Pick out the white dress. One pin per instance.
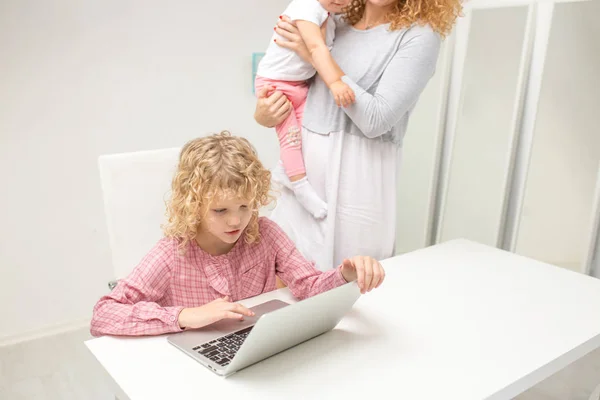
(356, 177)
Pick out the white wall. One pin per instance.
(81, 79)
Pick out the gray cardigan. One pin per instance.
(387, 70)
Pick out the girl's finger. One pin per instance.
(382, 275)
(240, 309)
(232, 315)
(368, 263)
(357, 263)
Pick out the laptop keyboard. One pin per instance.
(223, 349)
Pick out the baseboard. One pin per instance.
(44, 332)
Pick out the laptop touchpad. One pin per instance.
(232, 325)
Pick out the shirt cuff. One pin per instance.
(174, 318)
(353, 85)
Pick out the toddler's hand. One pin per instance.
(342, 93)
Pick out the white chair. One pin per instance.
(135, 187)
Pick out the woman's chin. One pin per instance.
(382, 3)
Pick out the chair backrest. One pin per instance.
(135, 187)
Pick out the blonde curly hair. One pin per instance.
(439, 14)
(211, 166)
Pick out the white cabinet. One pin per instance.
(479, 161)
(558, 196)
(504, 145)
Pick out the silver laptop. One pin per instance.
(228, 346)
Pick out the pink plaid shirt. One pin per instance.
(149, 300)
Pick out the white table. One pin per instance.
(454, 321)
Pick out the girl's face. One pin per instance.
(334, 6)
(227, 217)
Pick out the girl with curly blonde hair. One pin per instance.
(216, 250)
(387, 52)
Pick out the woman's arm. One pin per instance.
(400, 86)
(131, 308)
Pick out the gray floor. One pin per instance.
(61, 367)
(57, 367)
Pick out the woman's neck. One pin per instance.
(213, 245)
(374, 15)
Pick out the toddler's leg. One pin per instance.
(290, 145)
(291, 171)
(290, 141)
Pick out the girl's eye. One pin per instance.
(244, 207)
(220, 210)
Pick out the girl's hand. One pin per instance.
(214, 311)
(271, 108)
(293, 40)
(366, 270)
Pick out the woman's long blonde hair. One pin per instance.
(220, 164)
(439, 14)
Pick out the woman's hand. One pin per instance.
(214, 311)
(366, 270)
(271, 108)
(293, 40)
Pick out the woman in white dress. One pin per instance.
(387, 50)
